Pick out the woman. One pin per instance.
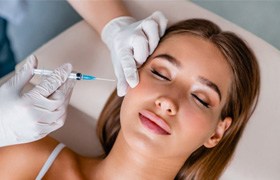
(183, 121)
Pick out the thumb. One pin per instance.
(24, 75)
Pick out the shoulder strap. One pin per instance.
(50, 161)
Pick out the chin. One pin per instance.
(143, 141)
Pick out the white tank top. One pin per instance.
(50, 161)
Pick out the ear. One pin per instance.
(221, 128)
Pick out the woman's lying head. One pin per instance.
(196, 93)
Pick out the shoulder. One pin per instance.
(70, 165)
(66, 166)
(25, 160)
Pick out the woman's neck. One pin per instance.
(125, 163)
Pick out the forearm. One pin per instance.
(99, 12)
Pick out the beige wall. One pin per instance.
(258, 17)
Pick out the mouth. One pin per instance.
(154, 123)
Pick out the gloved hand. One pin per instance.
(31, 116)
(130, 43)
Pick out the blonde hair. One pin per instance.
(205, 163)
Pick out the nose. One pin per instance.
(166, 105)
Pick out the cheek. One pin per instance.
(194, 128)
(135, 98)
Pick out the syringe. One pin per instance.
(73, 75)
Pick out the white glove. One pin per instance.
(31, 116)
(130, 43)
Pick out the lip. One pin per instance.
(154, 123)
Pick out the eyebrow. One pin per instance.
(211, 85)
(170, 59)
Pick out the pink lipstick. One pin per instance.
(154, 123)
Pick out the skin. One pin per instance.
(94, 14)
(138, 152)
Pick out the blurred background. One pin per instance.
(44, 19)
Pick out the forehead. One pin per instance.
(197, 57)
(192, 46)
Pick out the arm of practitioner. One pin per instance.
(26, 117)
(129, 41)
(99, 13)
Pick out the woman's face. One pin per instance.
(176, 107)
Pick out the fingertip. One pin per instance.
(133, 80)
(158, 13)
(160, 18)
(121, 90)
(33, 60)
(29, 63)
(67, 67)
(136, 82)
(120, 93)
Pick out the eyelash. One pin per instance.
(201, 101)
(159, 75)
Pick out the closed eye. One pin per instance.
(201, 101)
(159, 75)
